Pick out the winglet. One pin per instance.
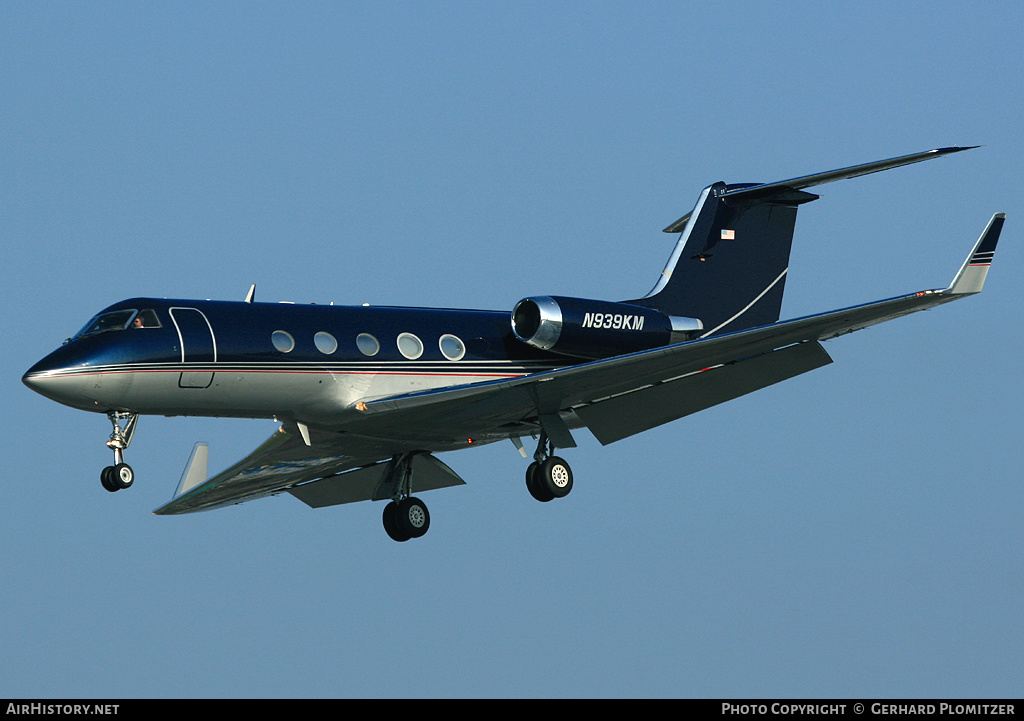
(971, 277)
(195, 470)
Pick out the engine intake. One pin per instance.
(596, 328)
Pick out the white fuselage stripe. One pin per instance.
(748, 305)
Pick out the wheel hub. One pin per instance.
(416, 517)
(559, 476)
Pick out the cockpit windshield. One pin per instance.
(119, 320)
(116, 320)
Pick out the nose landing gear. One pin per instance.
(120, 475)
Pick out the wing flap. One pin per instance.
(631, 413)
(348, 487)
(376, 483)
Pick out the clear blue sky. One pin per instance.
(855, 532)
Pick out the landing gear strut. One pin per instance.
(405, 517)
(120, 475)
(549, 476)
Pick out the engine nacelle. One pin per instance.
(596, 328)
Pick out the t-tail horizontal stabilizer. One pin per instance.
(759, 192)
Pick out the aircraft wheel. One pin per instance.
(122, 475)
(107, 479)
(391, 523)
(540, 494)
(413, 518)
(555, 477)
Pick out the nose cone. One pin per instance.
(60, 378)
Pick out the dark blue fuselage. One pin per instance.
(187, 357)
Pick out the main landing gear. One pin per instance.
(405, 517)
(549, 476)
(120, 475)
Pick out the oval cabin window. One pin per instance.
(325, 343)
(451, 347)
(283, 341)
(410, 346)
(367, 344)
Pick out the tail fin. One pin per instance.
(729, 266)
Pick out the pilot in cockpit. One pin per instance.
(145, 319)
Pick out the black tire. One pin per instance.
(107, 479)
(413, 517)
(555, 477)
(535, 489)
(391, 523)
(122, 475)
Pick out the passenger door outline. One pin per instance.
(196, 347)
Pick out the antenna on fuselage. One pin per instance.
(251, 294)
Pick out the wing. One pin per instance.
(613, 398)
(723, 366)
(285, 462)
(619, 396)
